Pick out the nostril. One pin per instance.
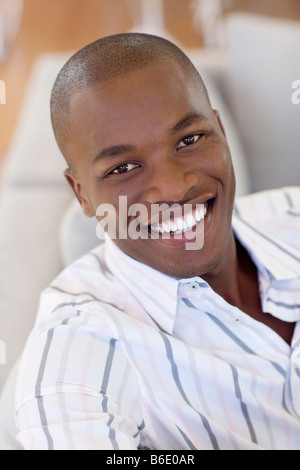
(191, 179)
(170, 186)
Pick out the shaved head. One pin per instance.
(105, 59)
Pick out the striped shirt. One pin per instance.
(125, 357)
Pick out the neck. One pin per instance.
(236, 281)
(234, 276)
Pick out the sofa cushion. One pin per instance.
(264, 63)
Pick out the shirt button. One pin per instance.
(194, 286)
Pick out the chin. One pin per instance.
(187, 272)
(189, 266)
(178, 262)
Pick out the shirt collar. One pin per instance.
(157, 292)
(270, 252)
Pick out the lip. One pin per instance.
(170, 216)
(173, 239)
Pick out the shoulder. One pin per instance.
(268, 204)
(76, 330)
(268, 223)
(86, 285)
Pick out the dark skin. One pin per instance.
(152, 136)
(247, 296)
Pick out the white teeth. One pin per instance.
(173, 227)
(166, 227)
(198, 215)
(190, 221)
(182, 224)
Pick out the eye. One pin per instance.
(189, 140)
(124, 168)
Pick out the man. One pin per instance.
(143, 343)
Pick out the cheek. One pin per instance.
(112, 193)
(227, 182)
(217, 164)
(225, 168)
(111, 210)
(230, 173)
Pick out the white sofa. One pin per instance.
(41, 225)
(264, 59)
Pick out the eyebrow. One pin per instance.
(118, 150)
(186, 121)
(115, 151)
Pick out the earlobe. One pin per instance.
(79, 192)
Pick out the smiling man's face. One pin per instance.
(152, 136)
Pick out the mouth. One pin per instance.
(177, 225)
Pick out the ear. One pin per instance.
(217, 114)
(79, 192)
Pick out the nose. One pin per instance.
(169, 180)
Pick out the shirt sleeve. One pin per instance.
(77, 388)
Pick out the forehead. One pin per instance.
(149, 98)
